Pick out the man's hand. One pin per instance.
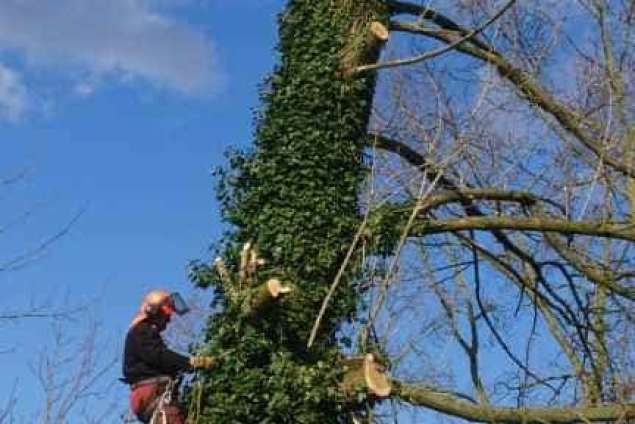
(202, 362)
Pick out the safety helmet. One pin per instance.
(157, 301)
(160, 302)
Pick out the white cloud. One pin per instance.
(121, 37)
(13, 95)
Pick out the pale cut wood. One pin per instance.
(365, 373)
(276, 288)
(264, 296)
(379, 31)
(365, 47)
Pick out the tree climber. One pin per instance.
(149, 367)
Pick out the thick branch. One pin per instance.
(450, 404)
(593, 272)
(624, 231)
(401, 7)
(411, 156)
(466, 196)
(365, 373)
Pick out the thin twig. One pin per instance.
(25, 258)
(336, 281)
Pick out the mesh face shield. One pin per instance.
(178, 303)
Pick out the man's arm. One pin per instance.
(153, 350)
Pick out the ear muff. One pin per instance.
(167, 309)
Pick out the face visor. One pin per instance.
(178, 304)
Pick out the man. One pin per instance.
(149, 366)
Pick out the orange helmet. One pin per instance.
(160, 301)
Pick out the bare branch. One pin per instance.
(22, 260)
(336, 280)
(572, 122)
(601, 276)
(445, 402)
(623, 231)
(424, 12)
(439, 51)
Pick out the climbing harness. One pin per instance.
(159, 416)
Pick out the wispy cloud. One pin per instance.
(109, 37)
(13, 95)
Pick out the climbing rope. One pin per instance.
(159, 415)
(194, 410)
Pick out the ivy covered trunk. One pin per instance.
(295, 197)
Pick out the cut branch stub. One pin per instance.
(364, 47)
(275, 288)
(264, 296)
(365, 373)
(379, 32)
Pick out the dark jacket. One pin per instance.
(146, 356)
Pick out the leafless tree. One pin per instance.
(17, 257)
(71, 372)
(13, 260)
(504, 164)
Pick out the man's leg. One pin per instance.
(143, 400)
(173, 414)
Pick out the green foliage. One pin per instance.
(296, 196)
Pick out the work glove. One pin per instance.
(202, 362)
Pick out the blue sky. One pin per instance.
(118, 110)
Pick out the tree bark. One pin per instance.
(623, 231)
(450, 404)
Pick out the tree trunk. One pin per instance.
(296, 198)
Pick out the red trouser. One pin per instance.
(144, 399)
